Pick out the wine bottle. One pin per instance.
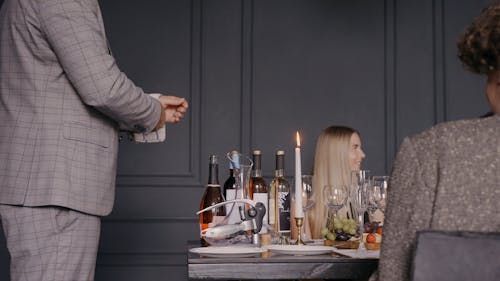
(211, 197)
(279, 199)
(230, 188)
(258, 187)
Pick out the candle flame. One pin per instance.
(298, 139)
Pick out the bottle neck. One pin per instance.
(279, 173)
(213, 172)
(257, 170)
(257, 173)
(280, 166)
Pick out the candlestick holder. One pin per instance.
(299, 222)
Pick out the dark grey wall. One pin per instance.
(255, 72)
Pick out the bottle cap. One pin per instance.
(235, 159)
(231, 166)
(213, 159)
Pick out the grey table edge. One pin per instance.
(278, 267)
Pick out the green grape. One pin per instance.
(351, 231)
(346, 228)
(330, 236)
(324, 231)
(337, 224)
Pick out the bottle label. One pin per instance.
(230, 194)
(272, 212)
(232, 210)
(284, 211)
(263, 198)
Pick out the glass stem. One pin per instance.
(304, 234)
(332, 215)
(361, 229)
(361, 223)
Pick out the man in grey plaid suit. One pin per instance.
(62, 101)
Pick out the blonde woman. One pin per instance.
(338, 153)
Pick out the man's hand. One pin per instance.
(175, 108)
(172, 110)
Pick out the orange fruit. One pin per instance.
(371, 238)
(379, 230)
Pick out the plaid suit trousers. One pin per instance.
(50, 243)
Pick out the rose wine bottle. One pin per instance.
(211, 197)
(279, 199)
(258, 187)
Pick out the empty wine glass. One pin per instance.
(335, 197)
(360, 183)
(373, 197)
(380, 184)
(308, 200)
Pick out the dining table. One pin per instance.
(276, 265)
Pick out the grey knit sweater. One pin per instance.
(445, 178)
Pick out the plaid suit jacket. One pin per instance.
(61, 100)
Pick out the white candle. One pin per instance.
(299, 213)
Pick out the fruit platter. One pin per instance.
(372, 236)
(341, 233)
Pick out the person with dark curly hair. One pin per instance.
(447, 177)
(479, 50)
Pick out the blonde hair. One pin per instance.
(331, 167)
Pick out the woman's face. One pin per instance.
(356, 154)
(493, 91)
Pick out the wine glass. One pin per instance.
(380, 184)
(308, 200)
(373, 198)
(335, 197)
(360, 183)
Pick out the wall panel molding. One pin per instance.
(138, 259)
(438, 55)
(247, 76)
(159, 181)
(191, 176)
(391, 112)
(158, 219)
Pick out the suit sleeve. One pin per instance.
(76, 34)
(409, 210)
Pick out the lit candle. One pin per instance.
(299, 213)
